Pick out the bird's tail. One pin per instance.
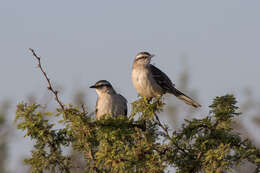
(184, 98)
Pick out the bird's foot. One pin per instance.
(147, 100)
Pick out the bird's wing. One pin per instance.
(161, 79)
(164, 82)
(124, 102)
(96, 111)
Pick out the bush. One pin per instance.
(140, 143)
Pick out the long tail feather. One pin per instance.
(184, 98)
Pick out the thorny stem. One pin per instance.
(55, 92)
(162, 126)
(84, 109)
(92, 158)
(167, 134)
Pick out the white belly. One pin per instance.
(104, 106)
(110, 105)
(145, 84)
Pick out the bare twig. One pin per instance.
(162, 126)
(83, 106)
(55, 92)
(167, 134)
(92, 158)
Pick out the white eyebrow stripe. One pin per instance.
(141, 55)
(103, 83)
(99, 84)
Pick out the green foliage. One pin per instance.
(4, 134)
(140, 143)
(47, 153)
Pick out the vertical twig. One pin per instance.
(83, 106)
(167, 134)
(55, 92)
(162, 126)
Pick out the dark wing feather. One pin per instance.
(96, 110)
(161, 79)
(125, 111)
(164, 82)
(125, 104)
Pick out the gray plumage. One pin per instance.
(149, 81)
(108, 101)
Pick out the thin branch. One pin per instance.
(83, 106)
(92, 158)
(55, 92)
(162, 126)
(167, 134)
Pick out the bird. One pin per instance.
(109, 102)
(150, 82)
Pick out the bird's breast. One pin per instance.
(111, 105)
(144, 83)
(104, 105)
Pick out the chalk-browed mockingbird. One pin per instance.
(149, 81)
(109, 102)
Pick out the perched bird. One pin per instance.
(149, 81)
(109, 102)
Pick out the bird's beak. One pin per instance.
(93, 86)
(152, 56)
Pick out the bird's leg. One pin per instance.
(157, 99)
(147, 100)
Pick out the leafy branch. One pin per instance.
(139, 143)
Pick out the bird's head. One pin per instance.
(143, 58)
(103, 86)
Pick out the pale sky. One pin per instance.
(81, 42)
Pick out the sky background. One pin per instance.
(81, 42)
